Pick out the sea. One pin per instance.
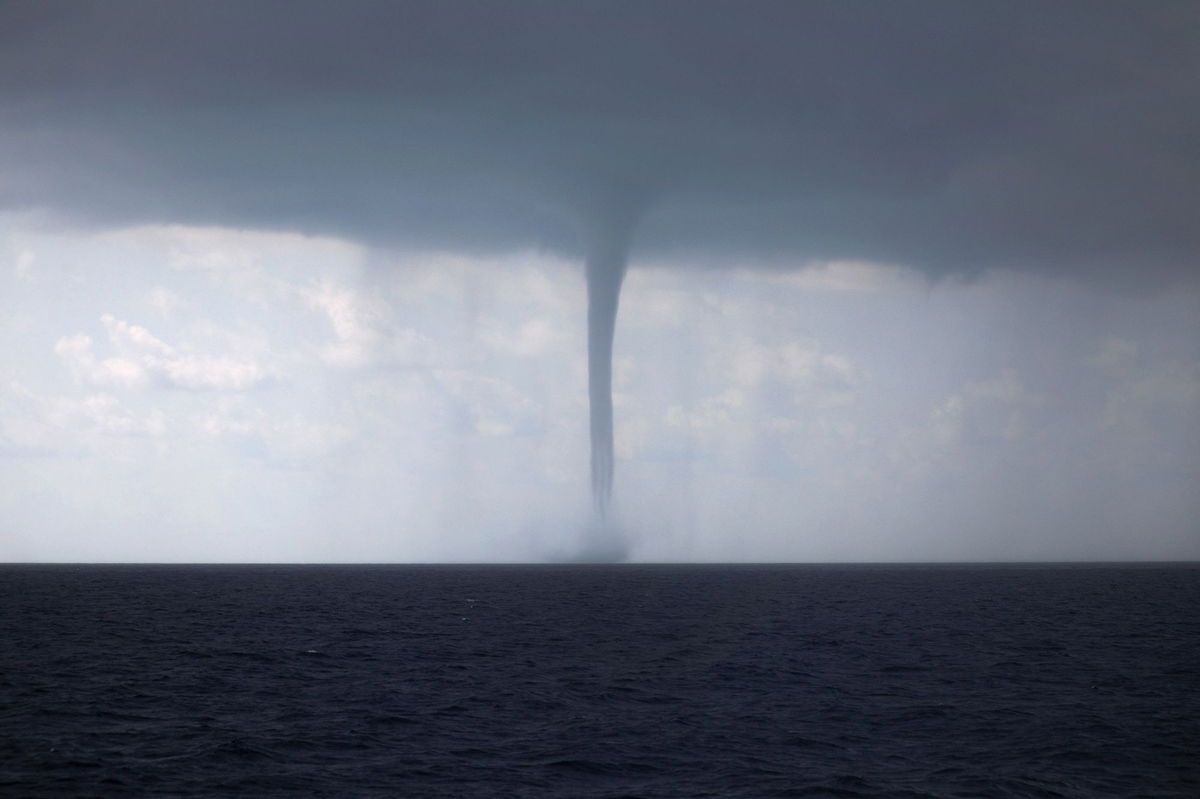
(590, 681)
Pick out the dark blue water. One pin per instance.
(600, 681)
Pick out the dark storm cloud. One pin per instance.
(949, 136)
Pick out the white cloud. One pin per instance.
(711, 412)
(1005, 387)
(24, 428)
(105, 414)
(135, 340)
(946, 421)
(162, 300)
(143, 356)
(289, 439)
(1114, 354)
(123, 373)
(796, 363)
(364, 330)
(495, 407)
(998, 407)
(23, 264)
(207, 260)
(212, 374)
(357, 322)
(33, 424)
(231, 249)
(298, 439)
(841, 276)
(1156, 391)
(531, 338)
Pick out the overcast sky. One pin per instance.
(909, 281)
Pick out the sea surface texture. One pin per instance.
(600, 681)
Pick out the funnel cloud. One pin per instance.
(609, 234)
